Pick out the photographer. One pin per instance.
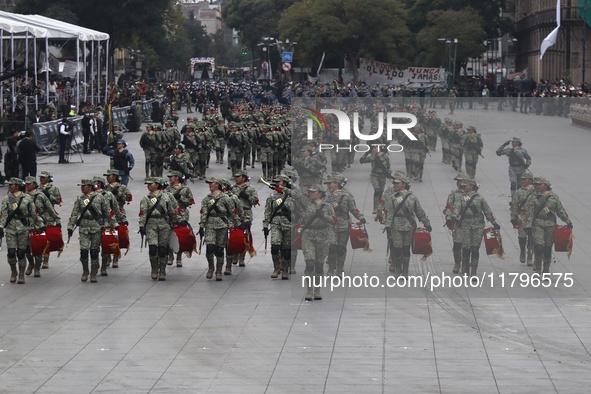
(65, 134)
(27, 155)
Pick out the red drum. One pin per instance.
(358, 236)
(493, 242)
(297, 238)
(182, 239)
(563, 239)
(123, 235)
(39, 243)
(55, 239)
(422, 242)
(111, 243)
(237, 241)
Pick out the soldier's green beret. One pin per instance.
(240, 173)
(175, 173)
(542, 180)
(85, 182)
(45, 174)
(30, 179)
(111, 172)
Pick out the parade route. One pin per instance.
(253, 334)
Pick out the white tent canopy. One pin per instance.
(56, 29)
(13, 27)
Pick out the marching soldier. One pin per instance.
(203, 150)
(120, 191)
(468, 216)
(217, 215)
(455, 145)
(45, 210)
(248, 198)
(236, 143)
(220, 133)
(157, 215)
(418, 154)
(380, 170)
(179, 161)
(192, 150)
(448, 211)
(444, 134)
(184, 198)
(400, 212)
(278, 210)
(150, 143)
(309, 167)
(472, 148)
(52, 192)
(542, 222)
(114, 212)
(267, 143)
(343, 204)
(519, 161)
(17, 217)
(520, 214)
(237, 206)
(90, 215)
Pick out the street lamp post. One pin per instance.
(585, 7)
(448, 42)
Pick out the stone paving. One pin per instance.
(253, 334)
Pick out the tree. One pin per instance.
(444, 24)
(351, 28)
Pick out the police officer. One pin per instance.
(344, 205)
(217, 215)
(157, 215)
(400, 224)
(90, 214)
(17, 217)
(542, 222)
(45, 210)
(468, 216)
(519, 216)
(278, 211)
(519, 161)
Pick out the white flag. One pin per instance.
(551, 38)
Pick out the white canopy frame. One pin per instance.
(42, 27)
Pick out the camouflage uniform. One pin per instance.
(432, 130)
(203, 151)
(217, 215)
(116, 213)
(49, 217)
(418, 154)
(309, 168)
(20, 207)
(444, 134)
(380, 169)
(455, 146)
(472, 148)
(95, 218)
(470, 226)
(161, 208)
(150, 143)
(267, 143)
(343, 204)
(192, 149)
(184, 199)
(232, 259)
(519, 161)
(236, 142)
(179, 162)
(53, 194)
(544, 209)
(278, 211)
(248, 197)
(400, 224)
(448, 211)
(220, 132)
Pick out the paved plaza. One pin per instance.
(253, 334)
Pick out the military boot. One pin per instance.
(309, 294)
(285, 270)
(210, 264)
(170, 257)
(473, 270)
(241, 258)
(94, 267)
(539, 252)
(13, 273)
(154, 265)
(218, 267)
(522, 243)
(228, 270)
(104, 265)
(45, 262)
(332, 265)
(276, 267)
(317, 295)
(84, 276)
(530, 255)
(21, 277)
(37, 268)
(162, 271)
(179, 260)
(29, 270)
(115, 262)
(457, 259)
(405, 264)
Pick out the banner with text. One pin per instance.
(372, 72)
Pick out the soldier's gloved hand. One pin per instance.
(515, 223)
(362, 221)
(184, 223)
(266, 231)
(70, 233)
(496, 226)
(450, 224)
(278, 190)
(142, 231)
(201, 232)
(569, 225)
(429, 228)
(125, 223)
(528, 232)
(507, 143)
(58, 225)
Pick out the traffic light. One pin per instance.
(244, 51)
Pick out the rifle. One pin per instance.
(141, 242)
(301, 169)
(423, 147)
(2, 239)
(383, 168)
(175, 166)
(201, 244)
(266, 235)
